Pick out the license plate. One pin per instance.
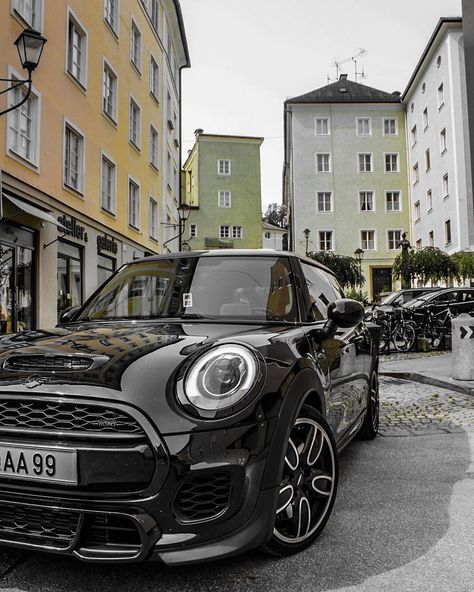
(39, 464)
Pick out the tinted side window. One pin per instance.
(445, 298)
(323, 289)
(467, 296)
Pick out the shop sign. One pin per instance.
(73, 228)
(106, 245)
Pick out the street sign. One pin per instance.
(465, 332)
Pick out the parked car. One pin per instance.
(405, 295)
(193, 408)
(460, 300)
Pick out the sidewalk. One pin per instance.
(426, 368)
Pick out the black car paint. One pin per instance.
(140, 363)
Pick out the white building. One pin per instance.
(272, 236)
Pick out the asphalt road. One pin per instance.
(403, 520)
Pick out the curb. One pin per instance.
(446, 383)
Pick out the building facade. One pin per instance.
(90, 162)
(221, 183)
(442, 205)
(345, 176)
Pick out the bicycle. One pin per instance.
(395, 328)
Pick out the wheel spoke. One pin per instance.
(313, 446)
(322, 484)
(285, 498)
(292, 457)
(304, 517)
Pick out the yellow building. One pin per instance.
(90, 162)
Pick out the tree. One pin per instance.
(428, 264)
(464, 262)
(346, 269)
(276, 214)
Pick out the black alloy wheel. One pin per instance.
(308, 485)
(370, 427)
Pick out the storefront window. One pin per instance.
(69, 276)
(105, 268)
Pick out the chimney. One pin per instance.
(342, 83)
(342, 77)
(198, 131)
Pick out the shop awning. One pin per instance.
(33, 210)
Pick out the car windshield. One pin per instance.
(420, 300)
(217, 287)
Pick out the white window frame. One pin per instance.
(431, 238)
(440, 95)
(446, 241)
(154, 78)
(237, 232)
(33, 102)
(359, 169)
(418, 244)
(108, 67)
(364, 248)
(387, 120)
(83, 65)
(112, 210)
(416, 173)
(19, 12)
(414, 135)
(226, 169)
(445, 185)
(323, 163)
(193, 230)
(417, 211)
(69, 125)
(359, 120)
(225, 231)
(323, 240)
(425, 118)
(393, 191)
(443, 142)
(224, 198)
(136, 59)
(325, 194)
(427, 160)
(114, 26)
(153, 218)
(395, 242)
(131, 181)
(154, 155)
(366, 192)
(429, 200)
(397, 162)
(317, 121)
(134, 143)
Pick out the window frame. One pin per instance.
(111, 26)
(131, 181)
(137, 65)
(395, 242)
(367, 240)
(397, 161)
(68, 125)
(416, 173)
(73, 20)
(425, 118)
(222, 194)
(427, 158)
(106, 65)
(366, 192)
(329, 163)
(393, 191)
(445, 185)
(417, 211)
(113, 210)
(388, 119)
(440, 96)
(320, 119)
(153, 222)
(361, 154)
(155, 92)
(38, 14)
(193, 232)
(448, 232)
(153, 131)
(443, 141)
(429, 200)
(136, 144)
(324, 211)
(361, 133)
(323, 239)
(228, 166)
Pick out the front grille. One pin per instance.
(50, 417)
(105, 530)
(32, 363)
(38, 526)
(202, 497)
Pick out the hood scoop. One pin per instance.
(52, 363)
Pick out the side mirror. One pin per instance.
(341, 313)
(69, 314)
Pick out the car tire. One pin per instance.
(308, 484)
(370, 426)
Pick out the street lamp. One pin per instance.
(404, 244)
(359, 255)
(30, 45)
(306, 233)
(183, 213)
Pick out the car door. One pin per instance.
(466, 301)
(345, 355)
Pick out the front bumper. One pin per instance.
(179, 499)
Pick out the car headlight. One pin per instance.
(220, 378)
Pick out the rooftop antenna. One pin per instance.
(357, 74)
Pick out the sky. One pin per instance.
(249, 56)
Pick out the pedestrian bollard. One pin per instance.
(463, 347)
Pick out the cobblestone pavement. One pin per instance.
(413, 409)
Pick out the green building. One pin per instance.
(221, 184)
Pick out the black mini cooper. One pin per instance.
(193, 408)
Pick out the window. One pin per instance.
(224, 199)
(154, 77)
(23, 125)
(223, 167)
(237, 232)
(416, 173)
(77, 51)
(105, 268)
(366, 201)
(224, 231)
(155, 14)
(418, 244)
(393, 201)
(111, 14)
(429, 200)
(440, 96)
(391, 163)
(363, 126)
(325, 240)
(133, 204)
(425, 118)
(417, 211)
(447, 232)
(427, 160)
(442, 141)
(431, 238)
(109, 92)
(321, 126)
(324, 201)
(367, 239)
(413, 135)
(108, 191)
(323, 163)
(134, 125)
(73, 158)
(30, 12)
(193, 231)
(446, 185)
(322, 291)
(153, 147)
(390, 127)
(438, 61)
(136, 46)
(394, 238)
(423, 88)
(153, 219)
(365, 163)
(69, 273)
